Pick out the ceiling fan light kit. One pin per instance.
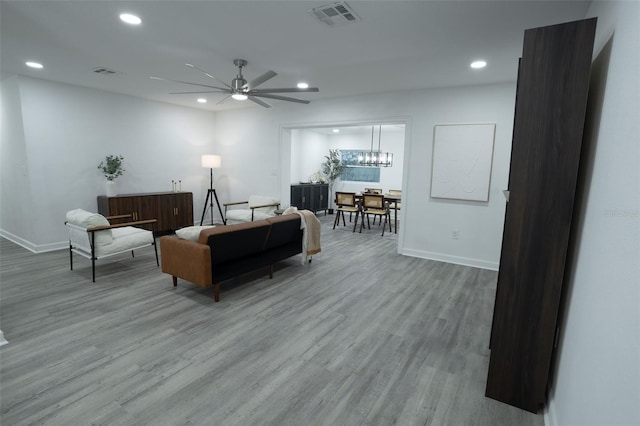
(242, 90)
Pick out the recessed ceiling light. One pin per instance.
(336, 130)
(36, 65)
(202, 100)
(303, 85)
(478, 64)
(130, 19)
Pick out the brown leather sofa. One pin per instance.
(226, 251)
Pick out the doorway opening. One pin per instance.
(304, 148)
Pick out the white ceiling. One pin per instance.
(397, 45)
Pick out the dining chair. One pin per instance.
(373, 190)
(346, 202)
(374, 204)
(398, 193)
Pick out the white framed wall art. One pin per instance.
(462, 160)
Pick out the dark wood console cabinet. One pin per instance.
(551, 99)
(310, 196)
(173, 210)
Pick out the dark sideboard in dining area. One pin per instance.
(310, 196)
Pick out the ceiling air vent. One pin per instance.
(105, 71)
(339, 13)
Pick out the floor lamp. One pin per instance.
(211, 162)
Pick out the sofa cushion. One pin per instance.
(244, 215)
(192, 233)
(125, 239)
(85, 219)
(289, 210)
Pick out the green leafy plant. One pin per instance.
(333, 168)
(111, 167)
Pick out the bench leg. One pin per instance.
(271, 271)
(216, 292)
(175, 281)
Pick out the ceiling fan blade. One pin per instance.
(207, 74)
(186, 82)
(262, 78)
(259, 101)
(281, 98)
(223, 100)
(199, 91)
(285, 90)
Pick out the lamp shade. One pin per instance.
(211, 161)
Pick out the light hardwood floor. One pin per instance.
(362, 336)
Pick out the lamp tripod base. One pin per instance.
(208, 202)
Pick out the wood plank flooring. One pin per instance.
(361, 336)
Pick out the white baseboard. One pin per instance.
(465, 261)
(34, 248)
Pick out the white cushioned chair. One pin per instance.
(258, 207)
(91, 235)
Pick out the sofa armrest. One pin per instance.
(235, 203)
(186, 259)
(253, 208)
(265, 205)
(137, 223)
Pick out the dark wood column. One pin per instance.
(547, 138)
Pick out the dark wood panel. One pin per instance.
(173, 210)
(547, 138)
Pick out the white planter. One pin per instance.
(111, 188)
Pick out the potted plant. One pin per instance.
(332, 169)
(111, 168)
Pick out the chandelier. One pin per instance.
(377, 158)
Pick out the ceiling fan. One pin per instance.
(241, 90)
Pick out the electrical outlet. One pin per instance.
(455, 234)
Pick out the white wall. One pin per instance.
(259, 134)
(308, 149)
(598, 371)
(56, 134)
(15, 214)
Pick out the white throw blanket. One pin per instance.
(310, 226)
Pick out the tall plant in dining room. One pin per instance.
(332, 169)
(111, 168)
